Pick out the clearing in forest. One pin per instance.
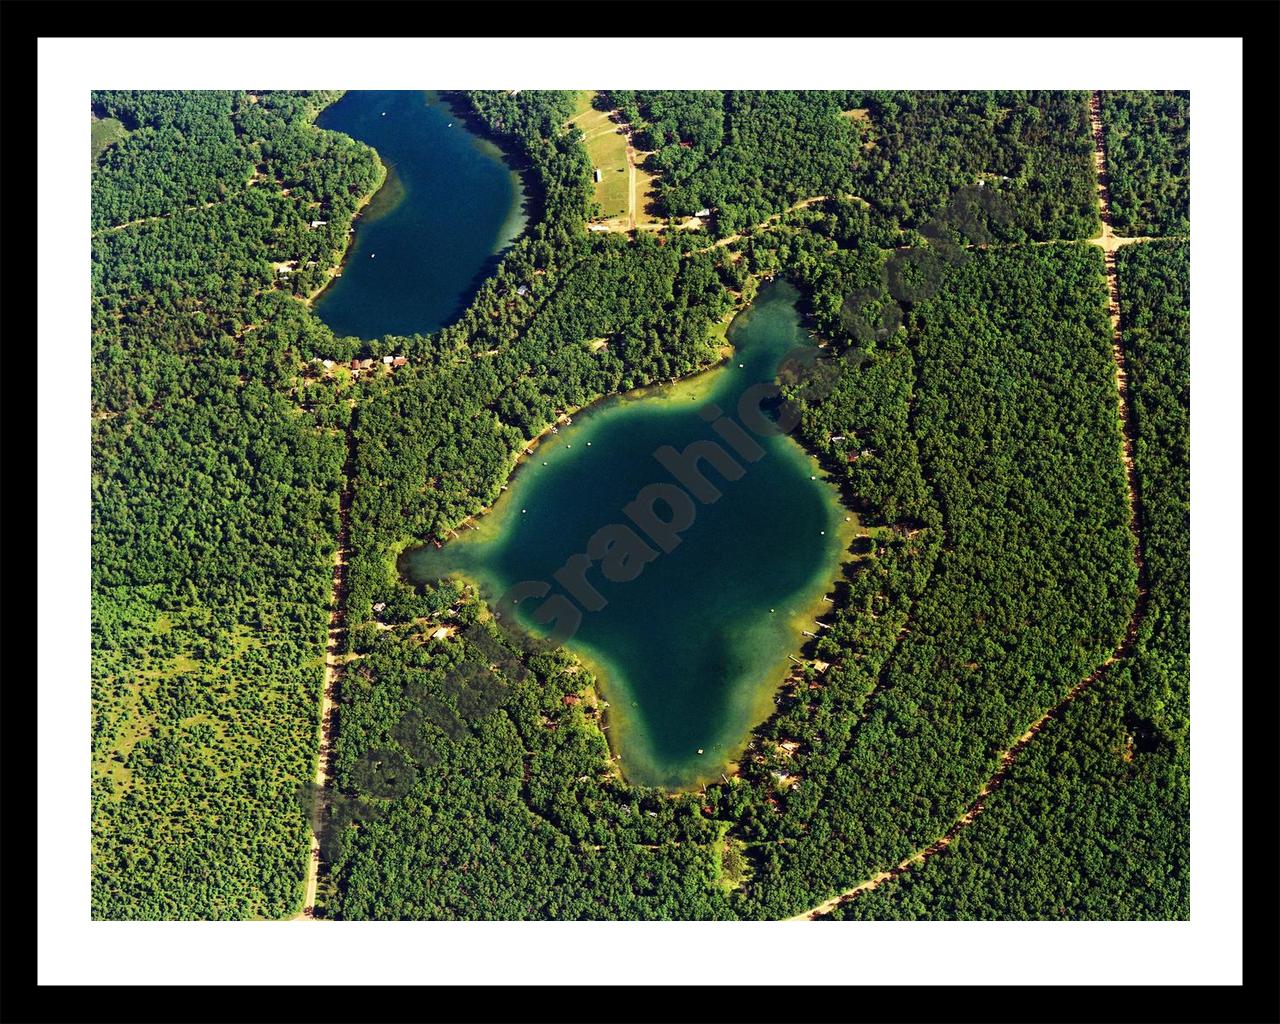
(105, 132)
(624, 190)
(607, 147)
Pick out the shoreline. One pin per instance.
(763, 695)
(513, 155)
(525, 212)
(332, 272)
(335, 271)
(529, 448)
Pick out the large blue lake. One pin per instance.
(691, 652)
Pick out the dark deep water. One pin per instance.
(690, 652)
(427, 239)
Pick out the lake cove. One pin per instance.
(430, 235)
(691, 651)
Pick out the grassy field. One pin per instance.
(607, 147)
(646, 190)
(104, 134)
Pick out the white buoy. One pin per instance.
(523, 511)
(823, 532)
(813, 478)
(699, 750)
(588, 444)
(741, 365)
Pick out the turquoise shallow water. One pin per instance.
(426, 241)
(691, 651)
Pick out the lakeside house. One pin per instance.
(319, 223)
(328, 364)
(703, 213)
(399, 361)
(387, 360)
(523, 290)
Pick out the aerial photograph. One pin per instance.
(622, 505)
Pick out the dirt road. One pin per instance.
(333, 661)
(1128, 435)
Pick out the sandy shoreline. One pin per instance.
(763, 694)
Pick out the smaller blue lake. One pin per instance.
(429, 237)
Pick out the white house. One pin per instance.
(319, 223)
(388, 360)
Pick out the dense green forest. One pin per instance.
(975, 391)
(1003, 402)
(214, 497)
(1033, 148)
(746, 154)
(1149, 161)
(750, 154)
(1093, 822)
